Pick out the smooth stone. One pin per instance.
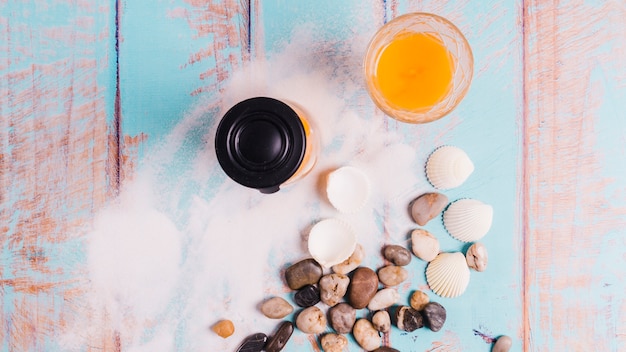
(353, 262)
(434, 316)
(342, 317)
(386, 349)
(366, 335)
(382, 321)
(223, 328)
(307, 296)
(427, 206)
(276, 308)
(424, 245)
(418, 300)
(363, 286)
(392, 275)
(408, 319)
(383, 299)
(253, 343)
(503, 344)
(333, 288)
(278, 341)
(311, 320)
(302, 273)
(398, 255)
(477, 257)
(333, 343)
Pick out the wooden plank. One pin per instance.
(57, 89)
(574, 184)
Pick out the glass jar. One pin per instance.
(264, 143)
(418, 67)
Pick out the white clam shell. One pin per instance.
(331, 241)
(448, 167)
(468, 220)
(448, 275)
(347, 189)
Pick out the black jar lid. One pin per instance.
(260, 143)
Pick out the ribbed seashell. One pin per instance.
(448, 167)
(448, 275)
(468, 220)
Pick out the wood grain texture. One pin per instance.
(575, 210)
(55, 163)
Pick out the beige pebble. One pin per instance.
(276, 308)
(392, 275)
(503, 344)
(334, 343)
(424, 245)
(224, 328)
(418, 300)
(383, 299)
(311, 320)
(333, 288)
(351, 263)
(477, 257)
(366, 335)
(382, 321)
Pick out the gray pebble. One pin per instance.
(342, 317)
(434, 315)
(302, 273)
(428, 206)
(398, 255)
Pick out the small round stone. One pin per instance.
(427, 206)
(362, 288)
(392, 275)
(382, 321)
(477, 257)
(424, 245)
(366, 335)
(307, 296)
(342, 317)
(434, 315)
(398, 255)
(333, 288)
(276, 308)
(351, 263)
(223, 328)
(333, 343)
(383, 299)
(418, 300)
(408, 319)
(302, 273)
(503, 344)
(311, 320)
(385, 349)
(278, 341)
(253, 343)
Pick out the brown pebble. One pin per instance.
(224, 328)
(408, 319)
(302, 273)
(397, 255)
(278, 341)
(276, 308)
(503, 344)
(428, 206)
(418, 300)
(342, 317)
(434, 315)
(363, 286)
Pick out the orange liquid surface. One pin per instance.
(414, 71)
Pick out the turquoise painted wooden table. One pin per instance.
(120, 232)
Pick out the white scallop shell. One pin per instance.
(331, 242)
(448, 274)
(448, 167)
(347, 189)
(468, 220)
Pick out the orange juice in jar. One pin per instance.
(418, 67)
